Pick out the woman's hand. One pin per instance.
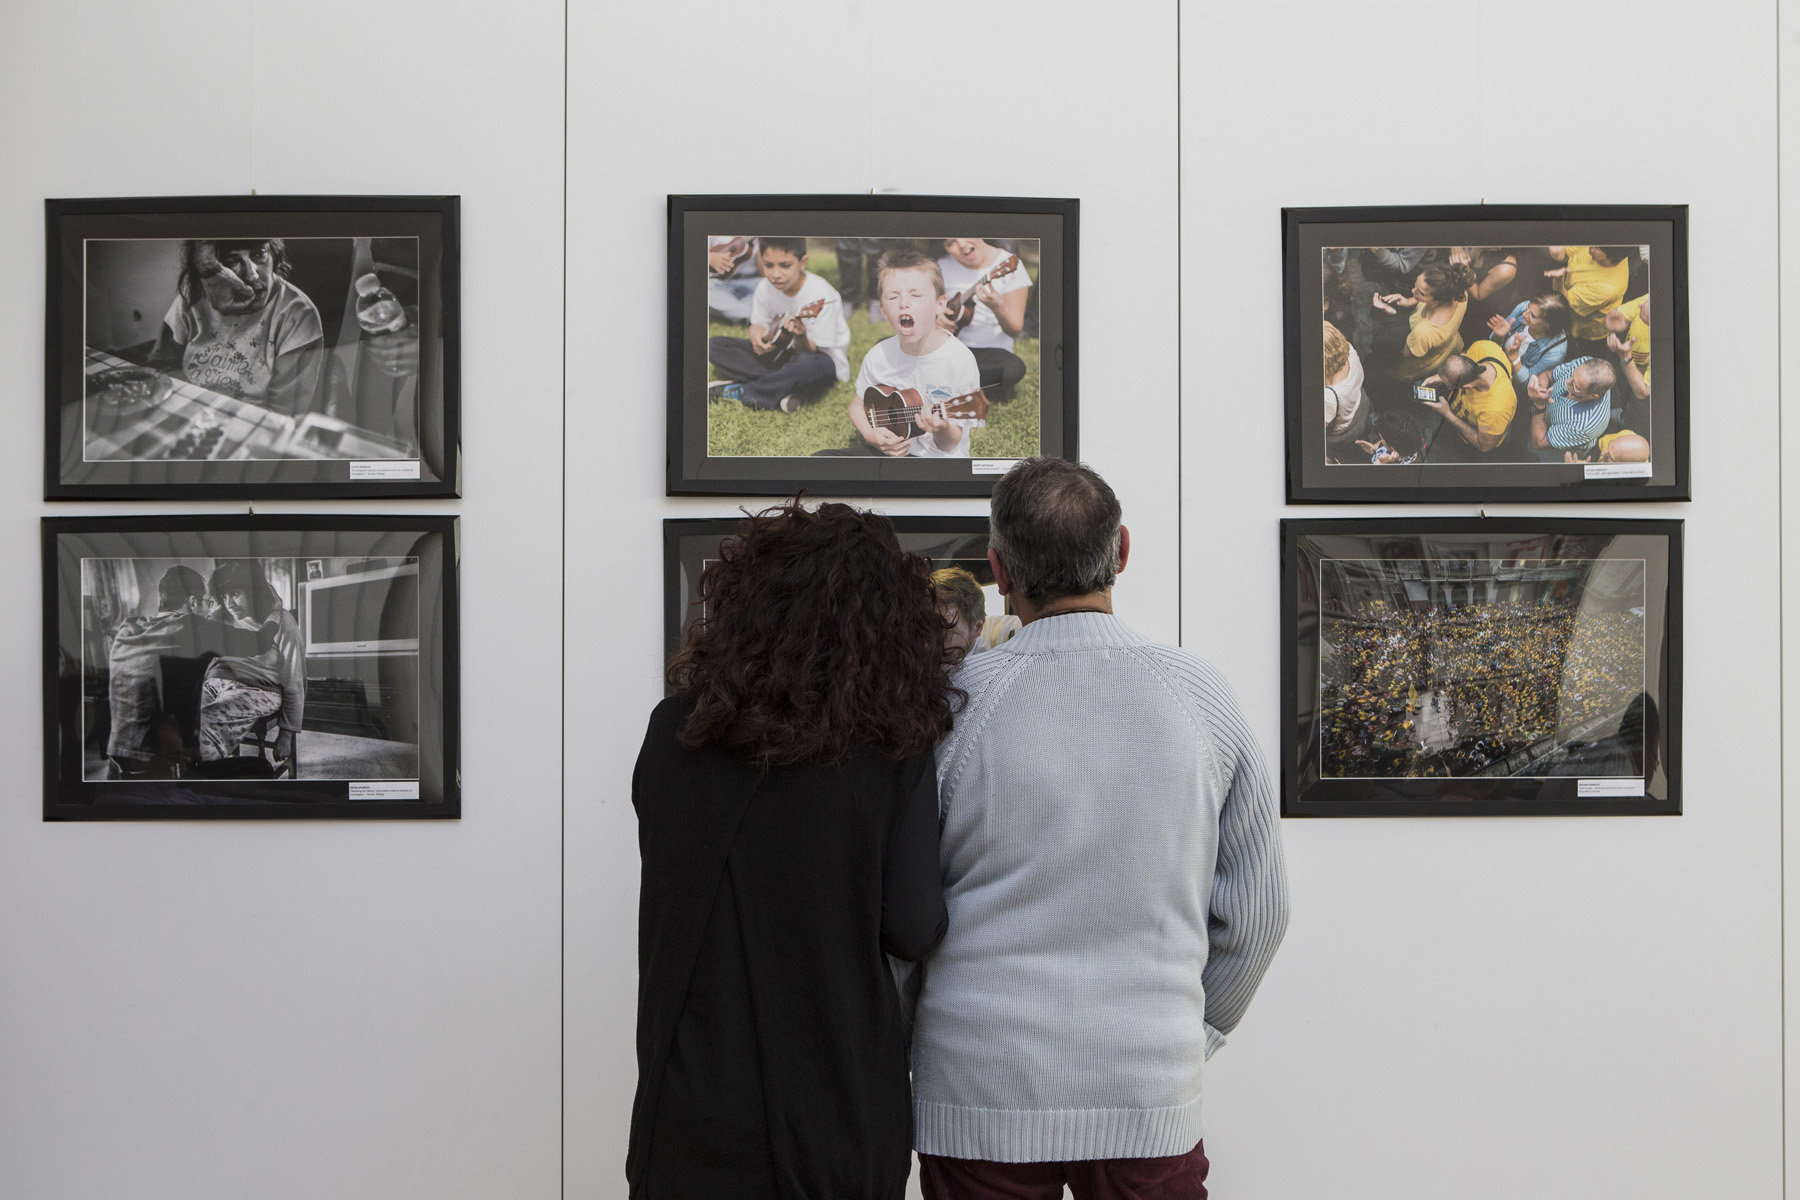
(1499, 325)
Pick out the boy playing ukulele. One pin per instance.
(920, 356)
(793, 298)
(999, 310)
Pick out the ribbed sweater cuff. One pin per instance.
(1057, 1134)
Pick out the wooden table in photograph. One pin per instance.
(177, 424)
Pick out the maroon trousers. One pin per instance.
(1178, 1177)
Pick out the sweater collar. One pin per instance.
(1072, 631)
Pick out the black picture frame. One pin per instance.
(1449, 470)
(1045, 228)
(688, 542)
(135, 410)
(1580, 768)
(369, 604)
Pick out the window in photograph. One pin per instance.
(1434, 667)
(291, 671)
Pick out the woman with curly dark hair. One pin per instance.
(787, 824)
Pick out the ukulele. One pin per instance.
(784, 339)
(962, 305)
(894, 408)
(739, 248)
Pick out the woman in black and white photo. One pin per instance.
(238, 326)
(240, 691)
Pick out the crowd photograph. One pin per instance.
(916, 347)
(250, 668)
(1477, 355)
(1465, 667)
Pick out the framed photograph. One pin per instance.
(953, 544)
(1480, 667)
(868, 345)
(252, 347)
(1530, 367)
(220, 666)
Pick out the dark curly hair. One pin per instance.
(818, 636)
(1449, 281)
(244, 575)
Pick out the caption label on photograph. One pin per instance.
(1616, 471)
(992, 466)
(384, 789)
(1606, 787)
(385, 469)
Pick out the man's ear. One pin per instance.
(1124, 546)
(1002, 578)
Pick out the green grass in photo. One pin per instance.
(733, 431)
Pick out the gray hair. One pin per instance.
(1600, 373)
(1055, 526)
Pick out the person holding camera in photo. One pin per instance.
(1474, 395)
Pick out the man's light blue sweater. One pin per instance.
(1113, 870)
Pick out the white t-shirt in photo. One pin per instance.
(1344, 399)
(828, 331)
(983, 330)
(945, 374)
(235, 353)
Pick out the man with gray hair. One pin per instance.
(1571, 406)
(1113, 871)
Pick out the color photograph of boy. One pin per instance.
(810, 402)
(1432, 351)
(788, 300)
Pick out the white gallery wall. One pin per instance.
(1475, 1009)
(298, 1009)
(1494, 1008)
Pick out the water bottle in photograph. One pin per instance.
(376, 309)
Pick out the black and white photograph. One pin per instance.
(1444, 667)
(876, 344)
(288, 667)
(254, 346)
(978, 616)
(1548, 366)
